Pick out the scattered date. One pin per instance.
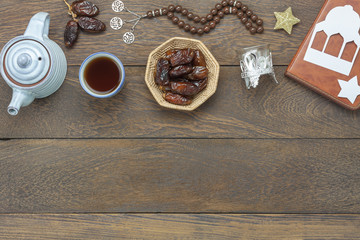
(93, 25)
(181, 75)
(84, 8)
(86, 11)
(71, 33)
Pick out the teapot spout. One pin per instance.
(19, 99)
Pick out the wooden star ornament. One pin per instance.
(285, 20)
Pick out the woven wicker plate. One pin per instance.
(180, 43)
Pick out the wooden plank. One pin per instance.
(287, 110)
(243, 176)
(178, 226)
(223, 42)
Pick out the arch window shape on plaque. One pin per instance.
(349, 51)
(319, 41)
(333, 25)
(335, 46)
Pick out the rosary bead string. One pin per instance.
(251, 21)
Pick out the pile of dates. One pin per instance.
(85, 11)
(181, 75)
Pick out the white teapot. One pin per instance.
(32, 65)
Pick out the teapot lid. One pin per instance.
(26, 61)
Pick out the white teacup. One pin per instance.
(90, 67)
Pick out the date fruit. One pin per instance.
(181, 74)
(82, 13)
(71, 33)
(180, 71)
(198, 73)
(166, 88)
(169, 53)
(162, 72)
(199, 59)
(184, 88)
(91, 24)
(176, 99)
(181, 57)
(201, 84)
(84, 8)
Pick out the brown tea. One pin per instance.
(102, 75)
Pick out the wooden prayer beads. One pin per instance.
(226, 7)
(251, 21)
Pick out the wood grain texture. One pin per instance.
(228, 37)
(238, 176)
(287, 110)
(266, 164)
(178, 226)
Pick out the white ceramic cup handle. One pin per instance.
(38, 26)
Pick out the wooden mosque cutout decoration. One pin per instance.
(341, 20)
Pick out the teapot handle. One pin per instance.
(38, 26)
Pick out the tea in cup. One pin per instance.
(102, 75)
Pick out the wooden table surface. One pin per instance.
(276, 162)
